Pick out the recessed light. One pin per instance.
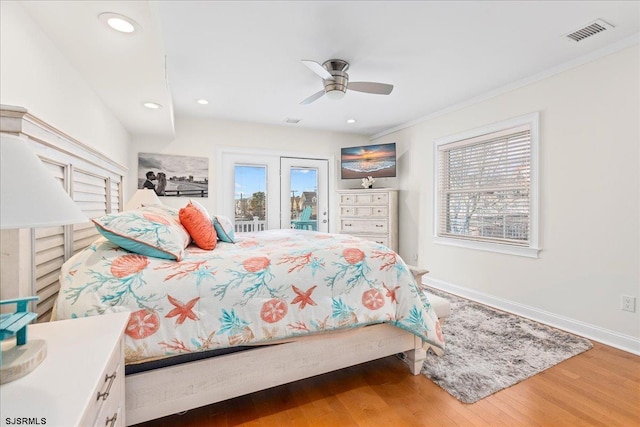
(202, 101)
(351, 121)
(152, 105)
(119, 22)
(291, 121)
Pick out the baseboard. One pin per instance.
(596, 333)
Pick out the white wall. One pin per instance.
(590, 200)
(201, 137)
(36, 76)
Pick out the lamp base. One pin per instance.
(18, 361)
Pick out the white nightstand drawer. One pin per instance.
(363, 226)
(110, 415)
(108, 388)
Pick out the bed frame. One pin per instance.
(161, 392)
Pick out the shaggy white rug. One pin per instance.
(488, 350)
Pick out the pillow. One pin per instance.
(161, 210)
(201, 208)
(198, 223)
(145, 232)
(224, 228)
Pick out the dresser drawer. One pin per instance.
(364, 199)
(380, 211)
(363, 226)
(107, 395)
(364, 211)
(371, 214)
(383, 240)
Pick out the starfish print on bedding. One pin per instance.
(303, 298)
(391, 293)
(182, 310)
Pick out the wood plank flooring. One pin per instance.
(600, 387)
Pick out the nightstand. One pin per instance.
(79, 383)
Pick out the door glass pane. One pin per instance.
(304, 198)
(250, 198)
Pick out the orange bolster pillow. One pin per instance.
(199, 226)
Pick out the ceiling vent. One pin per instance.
(589, 30)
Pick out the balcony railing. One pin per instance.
(247, 226)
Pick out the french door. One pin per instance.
(266, 191)
(304, 201)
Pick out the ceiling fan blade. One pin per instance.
(318, 69)
(313, 97)
(371, 87)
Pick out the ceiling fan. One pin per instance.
(336, 81)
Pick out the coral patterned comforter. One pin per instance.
(268, 286)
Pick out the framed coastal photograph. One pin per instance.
(174, 176)
(377, 161)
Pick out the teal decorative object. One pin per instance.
(20, 359)
(304, 222)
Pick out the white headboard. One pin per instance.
(30, 260)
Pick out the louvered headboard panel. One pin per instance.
(92, 180)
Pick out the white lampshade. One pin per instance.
(31, 196)
(142, 197)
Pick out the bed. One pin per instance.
(299, 303)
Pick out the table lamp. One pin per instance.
(142, 197)
(29, 197)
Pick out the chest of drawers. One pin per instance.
(81, 380)
(371, 214)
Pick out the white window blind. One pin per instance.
(485, 189)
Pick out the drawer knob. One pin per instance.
(110, 379)
(111, 421)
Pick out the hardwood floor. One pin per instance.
(600, 387)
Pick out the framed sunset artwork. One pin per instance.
(377, 161)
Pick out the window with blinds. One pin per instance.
(487, 188)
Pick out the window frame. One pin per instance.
(533, 248)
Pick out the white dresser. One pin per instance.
(371, 214)
(79, 383)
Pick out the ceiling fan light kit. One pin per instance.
(336, 81)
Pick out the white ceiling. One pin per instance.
(244, 56)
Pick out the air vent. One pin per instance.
(589, 30)
(292, 121)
